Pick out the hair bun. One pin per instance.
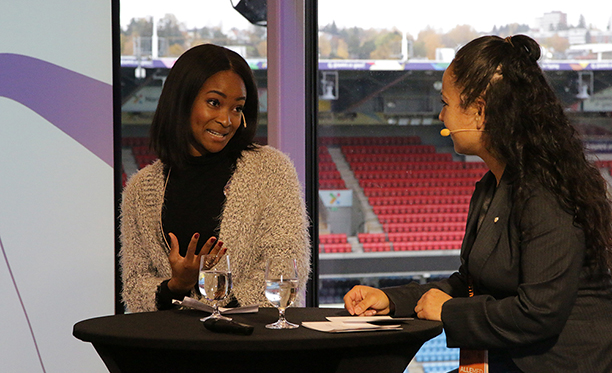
(526, 44)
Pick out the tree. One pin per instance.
(427, 42)
(342, 49)
(262, 48)
(512, 29)
(556, 43)
(127, 45)
(330, 29)
(175, 50)
(172, 30)
(139, 27)
(324, 46)
(388, 46)
(459, 36)
(212, 35)
(366, 49)
(256, 34)
(354, 42)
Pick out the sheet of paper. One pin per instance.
(340, 327)
(365, 319)
(195, 304)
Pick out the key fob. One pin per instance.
(228, 326)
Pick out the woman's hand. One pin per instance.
(185, 270)
(429, 307)
(215, 253)
(366, 301)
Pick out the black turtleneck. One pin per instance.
(194, 198)
(193, 202)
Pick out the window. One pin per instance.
(394, 195)
(154, 35)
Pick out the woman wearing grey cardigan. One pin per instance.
(210, 180)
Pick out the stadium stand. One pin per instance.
(334, 243)
(435, 357)
(419, 196)
(329, 176)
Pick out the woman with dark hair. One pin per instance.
(534, 287)
(211, 180)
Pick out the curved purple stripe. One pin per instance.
(80, 106)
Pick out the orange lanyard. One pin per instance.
(473, 361)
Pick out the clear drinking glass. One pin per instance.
(215, 284)
(281, 288)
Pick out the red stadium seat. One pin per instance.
(371, 237)
(376, 247)
(335, 248)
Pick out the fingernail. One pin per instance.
(197, 235)
(220, 244)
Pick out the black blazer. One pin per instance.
(533, 303)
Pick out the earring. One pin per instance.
(243, 119)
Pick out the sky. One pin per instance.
(442, 15)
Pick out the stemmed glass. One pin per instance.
(215, 284)
(281, 288)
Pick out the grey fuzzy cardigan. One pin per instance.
(263, 217)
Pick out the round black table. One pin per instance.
(176, 341)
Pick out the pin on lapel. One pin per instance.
(496, 219)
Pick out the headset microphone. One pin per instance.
(446, 132)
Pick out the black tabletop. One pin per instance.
(182, 329)
(177, 340)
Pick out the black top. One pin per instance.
(193, 203)
(194, 198)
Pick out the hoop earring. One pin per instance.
(243, 119)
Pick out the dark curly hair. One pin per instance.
(528, 130)
(171, 128)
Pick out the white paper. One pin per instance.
(365, 319)
(341, 327)
(197, 305)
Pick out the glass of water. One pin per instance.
(215, 284)
(281, 288)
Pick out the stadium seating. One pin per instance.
(419, 174)
(371, 237)
(426, 245)
(417, 191)
(329, 176)
(421, 197)
(419, 200)
(423, 165)
(333, 238)
(334, 243)
(383, 140)
(421, 209)
(335, 248)
(435, 357)
(333, 290)
(388, 149)
(424, 227)
(425, 182)
(376, 246)
(426, 236)
(401, 157)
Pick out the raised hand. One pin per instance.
(185, 269)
